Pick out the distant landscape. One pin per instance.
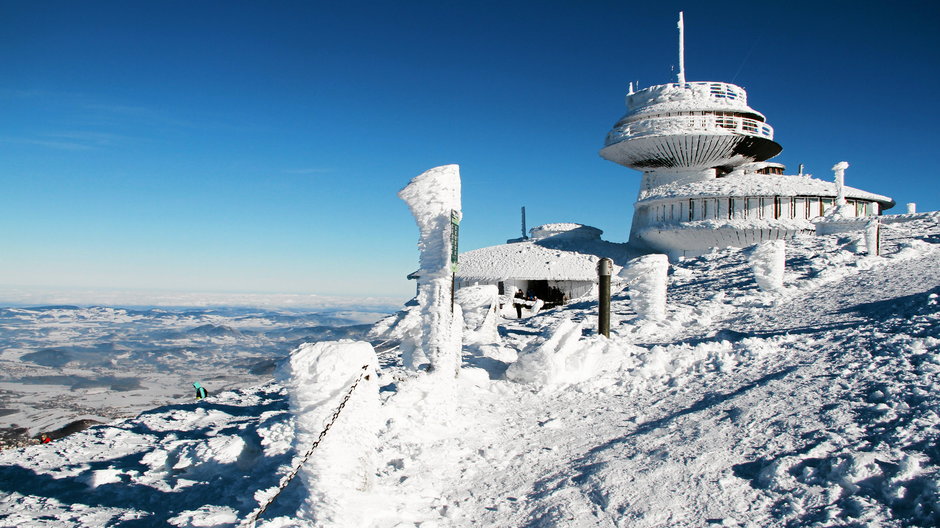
(59, 364)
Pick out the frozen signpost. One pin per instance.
(434, 200)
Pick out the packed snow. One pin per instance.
(812, 403)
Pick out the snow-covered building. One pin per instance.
(556, 263)
(706, 179)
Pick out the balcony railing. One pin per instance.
(679, 125)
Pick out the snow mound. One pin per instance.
(566, 358)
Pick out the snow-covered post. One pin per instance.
(647, 277)
(839, 169)
(873, 237)
(841, 208)
(318, 378)
(434, 200)
(768, 262)
(911, 208)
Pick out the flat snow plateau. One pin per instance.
(814, 405)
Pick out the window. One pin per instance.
(801, 207)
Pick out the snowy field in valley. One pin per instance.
(59, 364)
(812, 405)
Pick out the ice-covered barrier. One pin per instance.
(434, 200)
(768, 262)
(864, 232)
(646, 277)
(318, 378)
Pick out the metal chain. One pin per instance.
(253, 518)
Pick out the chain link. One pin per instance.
(253, 518)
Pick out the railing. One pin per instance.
(664, 93)
(679, 125)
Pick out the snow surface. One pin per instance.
(814, 405)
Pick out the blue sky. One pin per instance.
(258, 146)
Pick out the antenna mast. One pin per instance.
(681, 50)
(523, 223)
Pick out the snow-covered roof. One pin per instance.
(526, 261)
(567, 230)
(700, 96)
(756, 185)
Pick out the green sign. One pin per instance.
(454, 235)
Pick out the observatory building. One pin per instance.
(706, 177)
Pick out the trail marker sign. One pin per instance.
(454, 235)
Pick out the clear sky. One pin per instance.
(258, 146)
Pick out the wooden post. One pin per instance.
(604, 268)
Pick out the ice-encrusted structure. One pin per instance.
(434, 200)
(706, 179)
(317, 377)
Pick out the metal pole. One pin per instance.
(604, 268)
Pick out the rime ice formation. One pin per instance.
(479, 305)
(646, 277)
(706, 179)
(768, 261)
(434, 199)
(317, 377)
(567, 358)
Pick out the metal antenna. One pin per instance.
(681, 50)
(523, 223)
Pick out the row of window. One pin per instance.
(769, 207)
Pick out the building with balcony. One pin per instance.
(706, 177)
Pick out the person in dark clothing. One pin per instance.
(517, 301)
(200, 391)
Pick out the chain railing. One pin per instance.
(252, 519)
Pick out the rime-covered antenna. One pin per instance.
(681, 50)
(523, 223)
(631, 88)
